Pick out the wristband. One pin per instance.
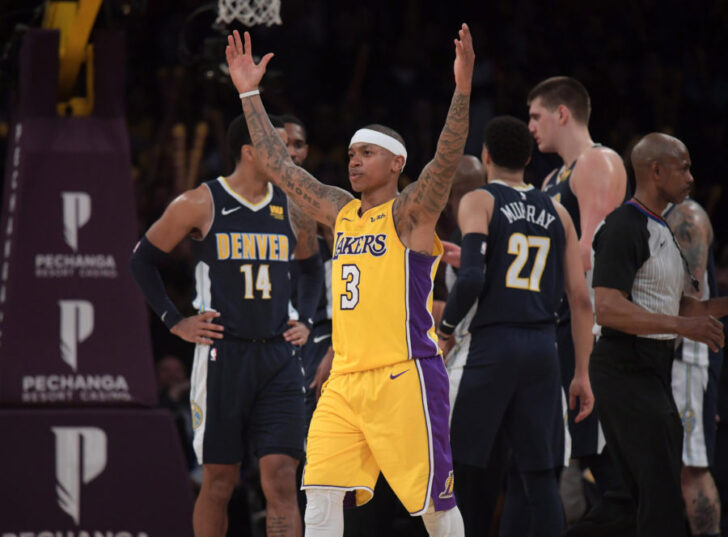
(249, 93)
(445, 330)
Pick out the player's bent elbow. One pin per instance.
(599, 314)
(604, 313)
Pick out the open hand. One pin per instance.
(451, 253)
(704, 329)
(322, 372)
(245, 73)
(199, 328)
(297, 334)
(464, 60)
(446, 343)
(580, 388)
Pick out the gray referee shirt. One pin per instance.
(634, 251)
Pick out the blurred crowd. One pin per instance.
(648, 65)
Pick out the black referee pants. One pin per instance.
(630, 377)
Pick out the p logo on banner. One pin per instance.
(76, 213)
(77, 462)
(77, 323)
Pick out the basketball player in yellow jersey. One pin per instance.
(385, 406)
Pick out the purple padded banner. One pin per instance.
(74, 327)
(110, 472)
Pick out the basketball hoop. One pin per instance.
(249, 12)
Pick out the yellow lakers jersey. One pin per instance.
(381, 292)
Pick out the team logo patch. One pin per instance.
(276, 211)
(449, 487)
(213, 355)
(687, 416)
(196, 415)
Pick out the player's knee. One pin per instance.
(218, 486)
(279, 482)
(322, 506)
(443, 523)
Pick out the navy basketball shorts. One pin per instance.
(511, 380)
(243, 394)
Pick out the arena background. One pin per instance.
(648, 65)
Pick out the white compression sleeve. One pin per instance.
(324, 513)
(443, 523)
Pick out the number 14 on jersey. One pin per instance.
(262, 281)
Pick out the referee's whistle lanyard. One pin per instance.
(642, 207)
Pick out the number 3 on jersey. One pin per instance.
(520, 245)
(350, 274)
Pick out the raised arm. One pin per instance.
(424, 200)
(320, 202)
(310, 275)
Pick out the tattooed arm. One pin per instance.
(305, 229)
(320, 202)
(691, 226)
(310, 275)
(420, 204)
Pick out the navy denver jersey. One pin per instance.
(559, 188)
(242, 264)
(524, 277)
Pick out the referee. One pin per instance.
(639, 276)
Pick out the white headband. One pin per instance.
(370, 136)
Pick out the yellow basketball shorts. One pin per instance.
(393, 419)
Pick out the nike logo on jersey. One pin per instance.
(319, 339)
(226, 212)
(347, 219)
(398, 374)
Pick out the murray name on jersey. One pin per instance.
(518, 210)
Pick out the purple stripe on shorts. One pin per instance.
(419, 318)
(436, 383)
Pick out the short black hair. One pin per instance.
(388, 131)
(508, 142)
(564, 90)
(238, 134)
(288, 118)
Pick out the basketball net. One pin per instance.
(249, 12)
